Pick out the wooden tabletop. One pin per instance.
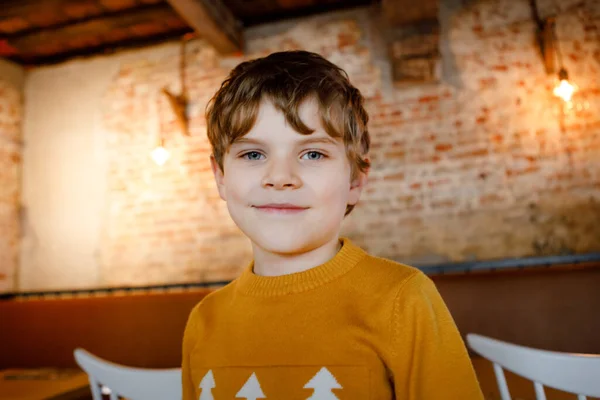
(44, 384)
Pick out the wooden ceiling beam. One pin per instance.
(212, 20)
(412, 32)
(38, 59)
(402, 12)
(99, 30)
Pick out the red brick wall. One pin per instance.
(481, 165)
(10, 162)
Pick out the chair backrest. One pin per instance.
(127, 382)
(573, 373)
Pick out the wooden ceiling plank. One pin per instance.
(24, 8)
(37, 58)
(117, 5)
(212, 20)
(94, 27)
(64, 20)
(13, 24)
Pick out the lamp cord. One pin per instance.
(557, 46)
(182, 66)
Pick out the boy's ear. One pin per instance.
(219, 177)
(357, 185)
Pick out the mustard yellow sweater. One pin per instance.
(357, 327)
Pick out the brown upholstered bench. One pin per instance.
(143, 330)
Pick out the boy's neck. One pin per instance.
(267, 263)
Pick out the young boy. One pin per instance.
(313, 316)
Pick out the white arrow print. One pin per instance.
(322, 383)
(207, 384)
(251, 389)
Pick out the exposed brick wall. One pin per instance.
(482, 165)
(10, 163)
(164, 223)
(485, 165)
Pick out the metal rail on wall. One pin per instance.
(511, 263)
(432, 270)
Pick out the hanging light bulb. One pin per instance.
(160, 155)
(564, 89)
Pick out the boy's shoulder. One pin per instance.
(408, 290)
(215, 299)
(390, 275)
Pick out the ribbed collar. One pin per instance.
(345, 259)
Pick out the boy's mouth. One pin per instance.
(281, 208)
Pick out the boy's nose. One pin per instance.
(281, 175)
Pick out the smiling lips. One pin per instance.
(281, 208)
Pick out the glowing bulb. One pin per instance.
(160, 155)
(564, 89)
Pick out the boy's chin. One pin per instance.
(284, 244)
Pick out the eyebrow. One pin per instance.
(324, 140)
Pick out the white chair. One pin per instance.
(127, 382)
(573, 373)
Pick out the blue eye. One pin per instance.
(314, 155)
(252, 155)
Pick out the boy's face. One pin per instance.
(273, 166)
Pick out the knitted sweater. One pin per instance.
(356, 327)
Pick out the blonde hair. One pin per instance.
(287, 79)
